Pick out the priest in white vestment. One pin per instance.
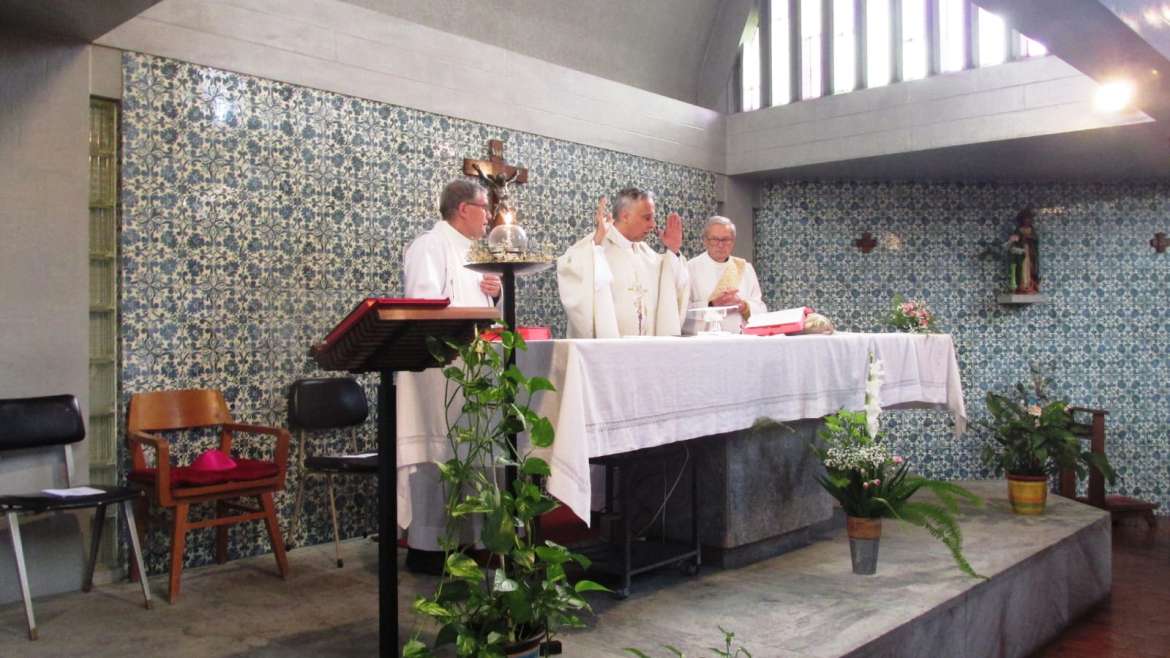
(613, 284)
(433, 268)
(720, 279)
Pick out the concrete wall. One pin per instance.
(656, 45)
(1042, 96)
(335, 46)
(44, 274)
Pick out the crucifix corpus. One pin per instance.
(496, 175)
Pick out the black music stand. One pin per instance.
(386, 336)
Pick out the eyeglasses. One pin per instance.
(474, 203)
(720, 240)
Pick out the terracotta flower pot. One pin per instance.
(864, 537)
(1028, 493)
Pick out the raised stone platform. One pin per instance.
(1044, 572)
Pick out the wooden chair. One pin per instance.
(55, 422)
(178, 487)
(325, 404)
(1117, 505)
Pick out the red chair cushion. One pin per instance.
(185, 476)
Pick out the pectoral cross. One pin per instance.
(495, 174)
(639, 305)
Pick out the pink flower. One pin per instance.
(898, 459)
(907, 307)
(864, 485)
(877, 483)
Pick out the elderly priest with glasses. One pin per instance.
(613, 284)
(720, 279)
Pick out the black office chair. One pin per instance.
(46, 422)
(321, 404)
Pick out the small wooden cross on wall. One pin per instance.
(1159, 243)
(496, 175)
(866, 243)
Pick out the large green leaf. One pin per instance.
(536, 466)
(583, 586)
(463, 567)
(542, 433)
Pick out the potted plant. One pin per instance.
(912, 316)
(1031, 438)
(871, 483)
(520, 594)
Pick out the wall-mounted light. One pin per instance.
(1113, 96)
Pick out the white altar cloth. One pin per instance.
(623, 394)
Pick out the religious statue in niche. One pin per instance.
(1023, 255)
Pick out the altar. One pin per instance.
(619, 395)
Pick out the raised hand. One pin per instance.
(672, 235)
(604, 220)
(490, 285)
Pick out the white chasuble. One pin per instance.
(432, 269)
(621, 288)
(710, 279)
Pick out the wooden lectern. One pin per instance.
(386, 336)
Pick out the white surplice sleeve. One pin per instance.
(588, 300)
(751, 292)
(674, 291)
(424, 268)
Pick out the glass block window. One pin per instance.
(103, 290)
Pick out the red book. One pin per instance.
(788, 321)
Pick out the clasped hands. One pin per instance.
(671, 236)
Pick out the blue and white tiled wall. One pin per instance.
(256, 214)
(1103, 337)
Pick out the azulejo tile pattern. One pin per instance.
(1102, 336)
(257, 213)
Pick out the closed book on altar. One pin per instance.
(788, 321)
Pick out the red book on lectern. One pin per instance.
(370, 303)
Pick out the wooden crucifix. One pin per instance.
(496, 175)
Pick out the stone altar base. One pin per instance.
(1044, 572)
(758, 496)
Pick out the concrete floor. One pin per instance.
(804, 603)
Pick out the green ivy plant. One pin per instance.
(523, 591)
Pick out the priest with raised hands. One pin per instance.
(613, 284)
(720, 279)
